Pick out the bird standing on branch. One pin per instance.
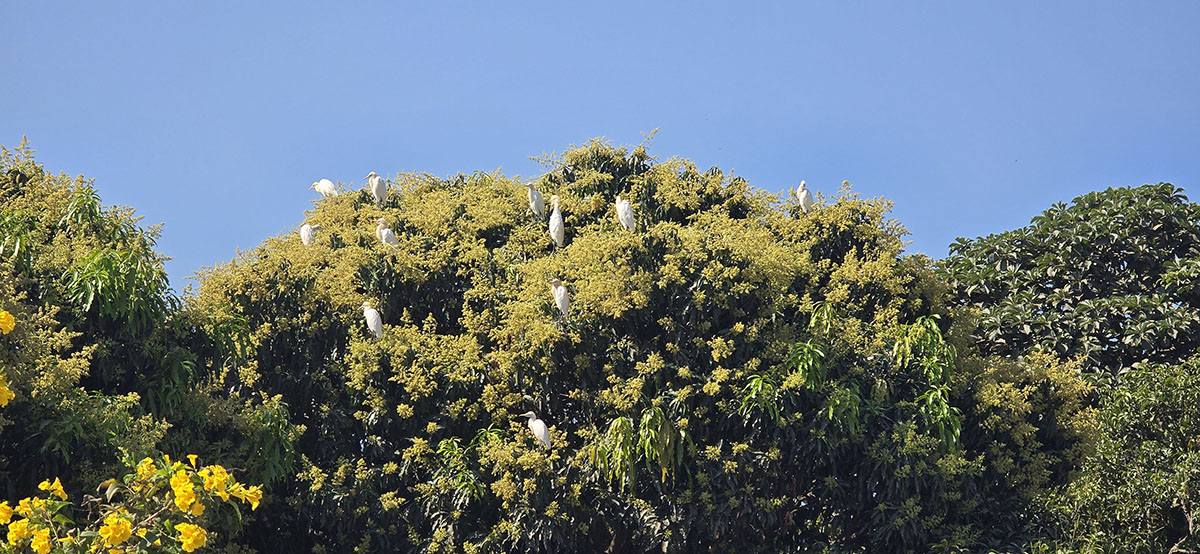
(557, 231)
(385, 235)
(377, 186)
(625, 214)
(325, 188)
(308, 234)
(536, 204)
(559, 291)
(538, 427)
(374, 322)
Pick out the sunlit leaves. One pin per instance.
(1110, 276)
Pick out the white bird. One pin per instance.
(559, 291)
(377, 186)
(538, 427)
(374, 322)
(308, 233)
(625, 213)
(325, 188)
(385, 235)
(536, 204)
(557, 232)
(804, 197)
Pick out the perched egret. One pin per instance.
(557, 232)
(625, 213)
(536, 204)
(385, 235)
(804, 197)
(374, 322)
(539, 428)
(559, 291)
(378, 187)
(325, 188)
(308, 233)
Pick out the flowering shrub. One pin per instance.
(159, 507)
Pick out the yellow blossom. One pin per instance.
(27, 506)
(41, 541)
(146, 469)
(18, 530)
(192, 459)
(216, 478)
(6, 393)
(252, 495)
(197, 509)
(191, 536)
(55, 488)
(7, 323)
(185, 492)
(6, 513)
(115, 530)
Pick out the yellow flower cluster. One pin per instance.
(185, 493)
(7, 322)
(54, 488)
(191, 536)
(216, 478)
(6, 393)
(38, 524)
(116, 529)
(252, 495)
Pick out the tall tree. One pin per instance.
(1113, 277)
(102, 365)
(731, 374)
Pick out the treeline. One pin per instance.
(734, 373)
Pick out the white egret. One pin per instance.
(385, 235)
(374, 322)
(557, 232)
(377, 186)
(625, 213)
(325, 188)
(536, 204)
(538, 427)
(308, 233)
(804, 197)
(559, 291)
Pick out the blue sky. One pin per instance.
(972, 117)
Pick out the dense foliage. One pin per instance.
(731, 374)
(100, 364)
(1140, 492)
(1111, 281)
(1114, 276)
(735, 373)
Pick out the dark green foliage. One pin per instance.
(1112, 277)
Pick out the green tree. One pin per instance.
(102, 363)
(1108, 281)
(1112, 277)
(732, 375)
(1140, 491)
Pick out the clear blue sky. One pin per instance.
(973, 117)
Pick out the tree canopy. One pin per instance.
(732, 373)
(101, 365)
(1112, 276)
